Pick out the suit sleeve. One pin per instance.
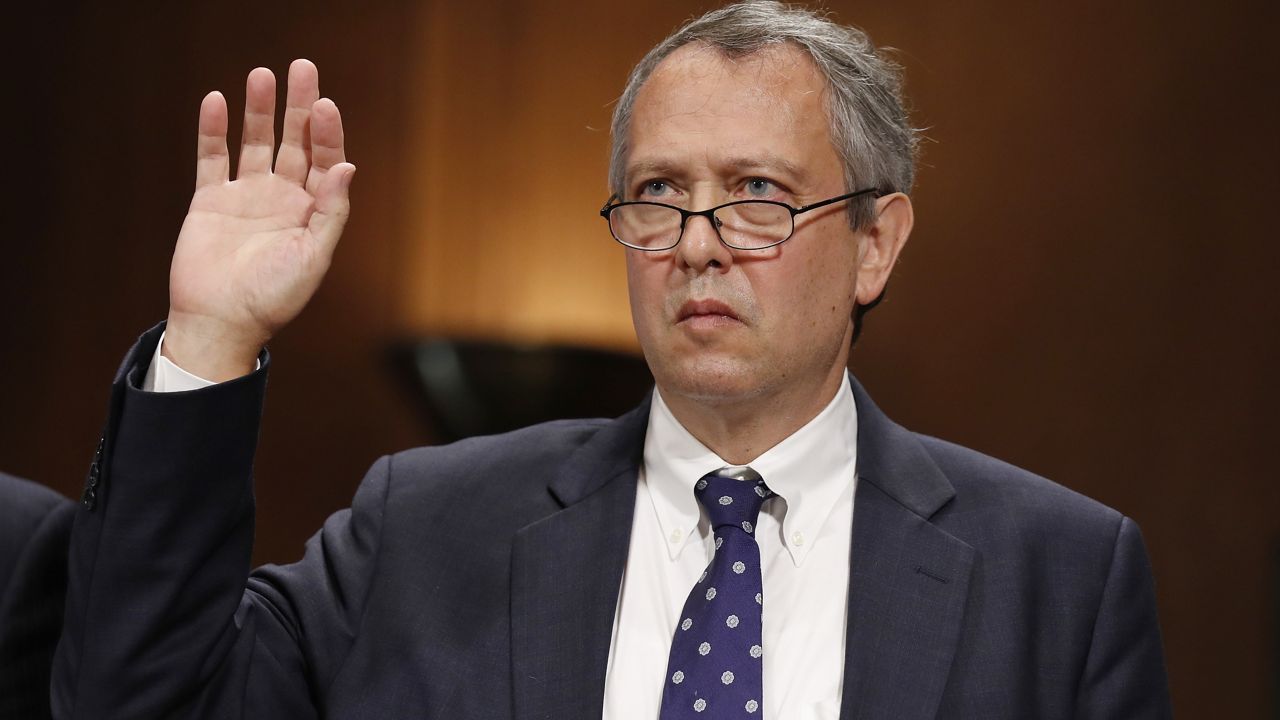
(163, 618)
(1124, 674)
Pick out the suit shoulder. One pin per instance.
(535, 443)
(989, 490)
(501, 477)
(534, 449)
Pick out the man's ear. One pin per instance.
(880, 244)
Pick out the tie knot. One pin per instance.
(732, 497)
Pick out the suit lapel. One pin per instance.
(566, 571)
(908, 580)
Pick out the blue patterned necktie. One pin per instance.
(714, 670)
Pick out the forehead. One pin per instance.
(701, 108)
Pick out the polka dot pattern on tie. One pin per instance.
(715, 665)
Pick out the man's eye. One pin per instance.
(760, 187)
(654, 187)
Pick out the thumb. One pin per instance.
(333, 206)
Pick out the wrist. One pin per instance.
(210, 348)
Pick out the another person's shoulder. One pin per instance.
(24, 498)
(24, 507)
(35, 529)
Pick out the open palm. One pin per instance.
(253, 250)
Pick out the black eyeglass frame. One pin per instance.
(709, 214)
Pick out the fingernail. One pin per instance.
(346, 179)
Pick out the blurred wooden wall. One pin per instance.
(1089, 292)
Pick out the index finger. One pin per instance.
(212, 159)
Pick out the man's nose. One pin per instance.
(700, 248)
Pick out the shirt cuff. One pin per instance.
(165, 376)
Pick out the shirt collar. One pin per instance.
(809, 469)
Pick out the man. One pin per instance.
(757, 540)
(35, 525)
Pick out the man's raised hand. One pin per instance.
(253, 250)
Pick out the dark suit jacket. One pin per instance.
(479, 579)
(35, 526)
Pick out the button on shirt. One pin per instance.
(804, 536)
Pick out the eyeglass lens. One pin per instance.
(745, 225)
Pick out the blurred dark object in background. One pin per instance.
(474, 387)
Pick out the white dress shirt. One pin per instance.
(165, 376)
(804, 535)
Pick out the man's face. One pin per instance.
(718, 325)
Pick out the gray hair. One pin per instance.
(869, 124)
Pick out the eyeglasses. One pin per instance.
(741, 225)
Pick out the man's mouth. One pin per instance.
(705, 310)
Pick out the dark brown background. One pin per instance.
(1090, 292)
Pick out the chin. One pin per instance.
(710, 380)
